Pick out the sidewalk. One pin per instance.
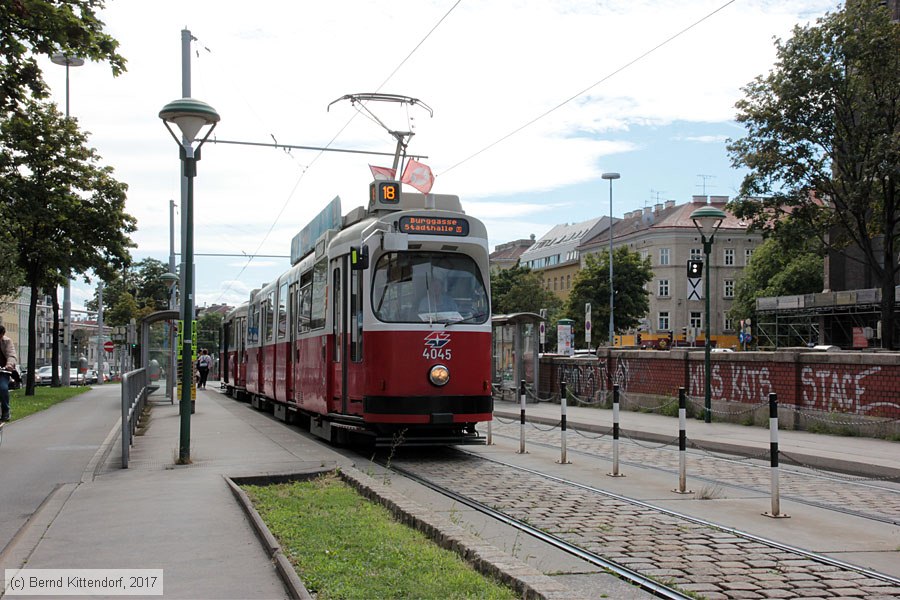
(857, 455)
(183, 520)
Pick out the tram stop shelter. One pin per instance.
(516, 345)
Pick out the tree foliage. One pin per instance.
(519, 289)
(776, 270)
(133, 293)
(823, 140)
(208, 327)
(43, 27)
(591, 285)
(69, 210)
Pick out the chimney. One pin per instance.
(648, 210)
(698, 199)
(670, 203)
(657, 207)
(718, 199)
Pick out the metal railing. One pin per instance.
(134, 397)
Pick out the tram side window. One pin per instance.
(267, 316)
(253, 324)
(282, 311)
(319, 285)
(356, 316)
(304, 307)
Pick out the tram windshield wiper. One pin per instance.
(470, 319)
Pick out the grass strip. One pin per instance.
(20, 405)
(345, 547)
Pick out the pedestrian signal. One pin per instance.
(695, 269)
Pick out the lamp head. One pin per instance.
(610, 176)
(707, 220)
(60, 58)
(170, 279)
(190, 116)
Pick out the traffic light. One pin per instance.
(695, 269)
(61, 336)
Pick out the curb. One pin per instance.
(799, 459)
(526, 581)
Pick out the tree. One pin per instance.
(823, 140)
(208, 326)
(11, 276)
(69, 210)
(44, 27)
(776, 270)
(519, 289)
(134, 293)
(591, 285)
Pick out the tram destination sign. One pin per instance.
(434, 225)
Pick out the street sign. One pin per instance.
(109, 346)
(695, 290)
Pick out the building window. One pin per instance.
(696, 319)
(663, 321)
(696, 253)
(748, 254)
(663, 257)
(568, 282)
(663, 288)
(729, 288)
(644, 255)
(729, 257)
(555, 281)
(729, 324)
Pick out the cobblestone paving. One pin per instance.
(692, 557)
(876, 499)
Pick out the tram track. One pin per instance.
(649, 545)
(839, 494)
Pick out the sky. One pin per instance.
(533, 100)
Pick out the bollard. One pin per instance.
(682, 443)
(522, 419)
(562, 404)
(490, 433)
(615, 471)
(773, 458)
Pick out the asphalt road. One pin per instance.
(50, 448)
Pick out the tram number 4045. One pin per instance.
(435, 353)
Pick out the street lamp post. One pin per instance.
(612, 329)
(707, 220)
(190, 116)
(68, 61)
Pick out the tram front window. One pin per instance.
(428, 287)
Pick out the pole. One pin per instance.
(707, 384)
(172, 367)
(99, 333)
(773, 458)
(682, 443)
(522, 418)
(562, 419)
(187, 309)
(612, 328)
(615, 471)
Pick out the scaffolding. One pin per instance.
(848, 319)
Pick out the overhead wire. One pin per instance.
(587, 89)
(328, 145)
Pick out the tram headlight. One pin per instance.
(439, 375)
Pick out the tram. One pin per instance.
(381, 327)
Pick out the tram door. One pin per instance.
(338, 348)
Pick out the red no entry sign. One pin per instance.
(109, 346)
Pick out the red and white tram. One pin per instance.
(234, 341)
(381, 327)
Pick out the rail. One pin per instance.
(134, 396)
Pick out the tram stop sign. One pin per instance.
(109, 346)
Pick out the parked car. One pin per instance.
(44, 375)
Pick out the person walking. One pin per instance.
(7, 365)
(204, 363)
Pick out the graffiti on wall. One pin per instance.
(733, 383)
(590, 380)
(836, 389)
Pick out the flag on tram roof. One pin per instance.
(418, 175)
(382, 173)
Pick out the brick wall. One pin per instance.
(865, 384)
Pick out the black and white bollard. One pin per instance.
(773, 458)
(490, 433)
(615, 471)
(563, 397)
(682, 443)
(522, 418)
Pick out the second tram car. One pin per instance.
(381, 327)
(231, 363)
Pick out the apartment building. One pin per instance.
(665, 234)
(555, 256)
